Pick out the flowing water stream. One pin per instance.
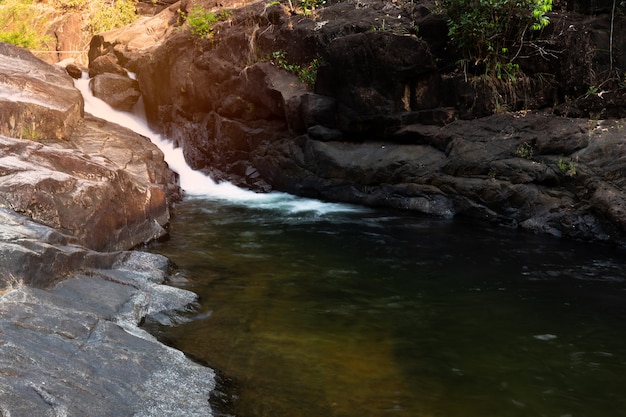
(327, 310)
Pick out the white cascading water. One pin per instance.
(196, 183)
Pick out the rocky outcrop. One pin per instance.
(389, 122)
(74, 349)
(104, 185)
(71, 299)
(532, 171)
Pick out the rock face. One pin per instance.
(532, 171)
(387, 122)
(106, 186)
(91, 198)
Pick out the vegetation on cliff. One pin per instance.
(491, 33)
(33, 25)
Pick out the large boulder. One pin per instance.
(111, 189)
(103, 206)
(119, 91)
(38, 100)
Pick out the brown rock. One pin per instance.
(38, 100)
(119, 91)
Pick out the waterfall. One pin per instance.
(196, 184)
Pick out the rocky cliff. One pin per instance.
(389, 120)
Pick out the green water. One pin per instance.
(375, 314)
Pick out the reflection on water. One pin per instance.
(363, 313)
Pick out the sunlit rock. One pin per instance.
(119, 91)
(38, 100)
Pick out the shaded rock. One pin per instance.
(38, 100)
(377, 73)
(119, 91)
(324, 134)
(306, 110)
(74, 71)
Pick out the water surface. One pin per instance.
(368, 313)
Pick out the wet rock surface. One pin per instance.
(105, 185)
(119, 91)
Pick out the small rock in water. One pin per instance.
(545, 337)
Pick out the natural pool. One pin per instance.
(322, 310)
(362, 313)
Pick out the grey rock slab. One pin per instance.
(73, 351)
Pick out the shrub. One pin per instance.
(306, 74)
(201, 21)
(112, 15)
(487, 32)
(21, 24)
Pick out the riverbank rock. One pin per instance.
(71, 300)
(73, 347)
(102, 184)
(101, 205)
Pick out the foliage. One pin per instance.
(112, 15)
(525, 150)
(487, 32)
(201, 21)
(309, 5)
(21, 24)
(566, 167)
(592, 91)
(306, 74)
(70, 4)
